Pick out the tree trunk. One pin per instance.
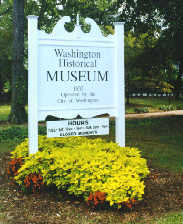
(127, 89)
(178, 85)
(128, 97)
(1, 87)
(18, 114)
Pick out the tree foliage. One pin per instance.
(171, 38)
(165, 18)
(150, 51)
(6, 38)
(144, 68)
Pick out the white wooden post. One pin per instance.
(78, 28)
(32, 84)
(120, 80)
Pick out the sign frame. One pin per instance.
(60, 37)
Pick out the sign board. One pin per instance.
(73, 74)
(77, 77)
(78, 127)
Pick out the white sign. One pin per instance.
(77, 77)
(75, 73)
(78, 127)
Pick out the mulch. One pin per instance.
(163, 194)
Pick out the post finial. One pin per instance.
(77, 19)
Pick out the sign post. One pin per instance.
(75, 73)
(32, 84)
(120, 83)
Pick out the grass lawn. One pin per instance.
(152, 103)
(160, 141)
(174, 218)
(5, 111)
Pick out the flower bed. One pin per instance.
(93, 169)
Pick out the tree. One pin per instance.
(132, 49)
(144, 70)
(145, 15)
(18, 113)
(171, 38)
(6, 38)
(49, 13)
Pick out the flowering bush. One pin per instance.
(33, 182)
(14, 166)
(96, 199)
(129, 203)
(84, 167)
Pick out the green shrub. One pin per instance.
(137, 110)
(170, 107)
(17, 133)
(166, 108)
(163, 107)
(14, 133)
(145, 110)
(179, 107)
(141, 110)
(83, 166)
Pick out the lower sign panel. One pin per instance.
(79, 127)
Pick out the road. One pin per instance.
(156, 114)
